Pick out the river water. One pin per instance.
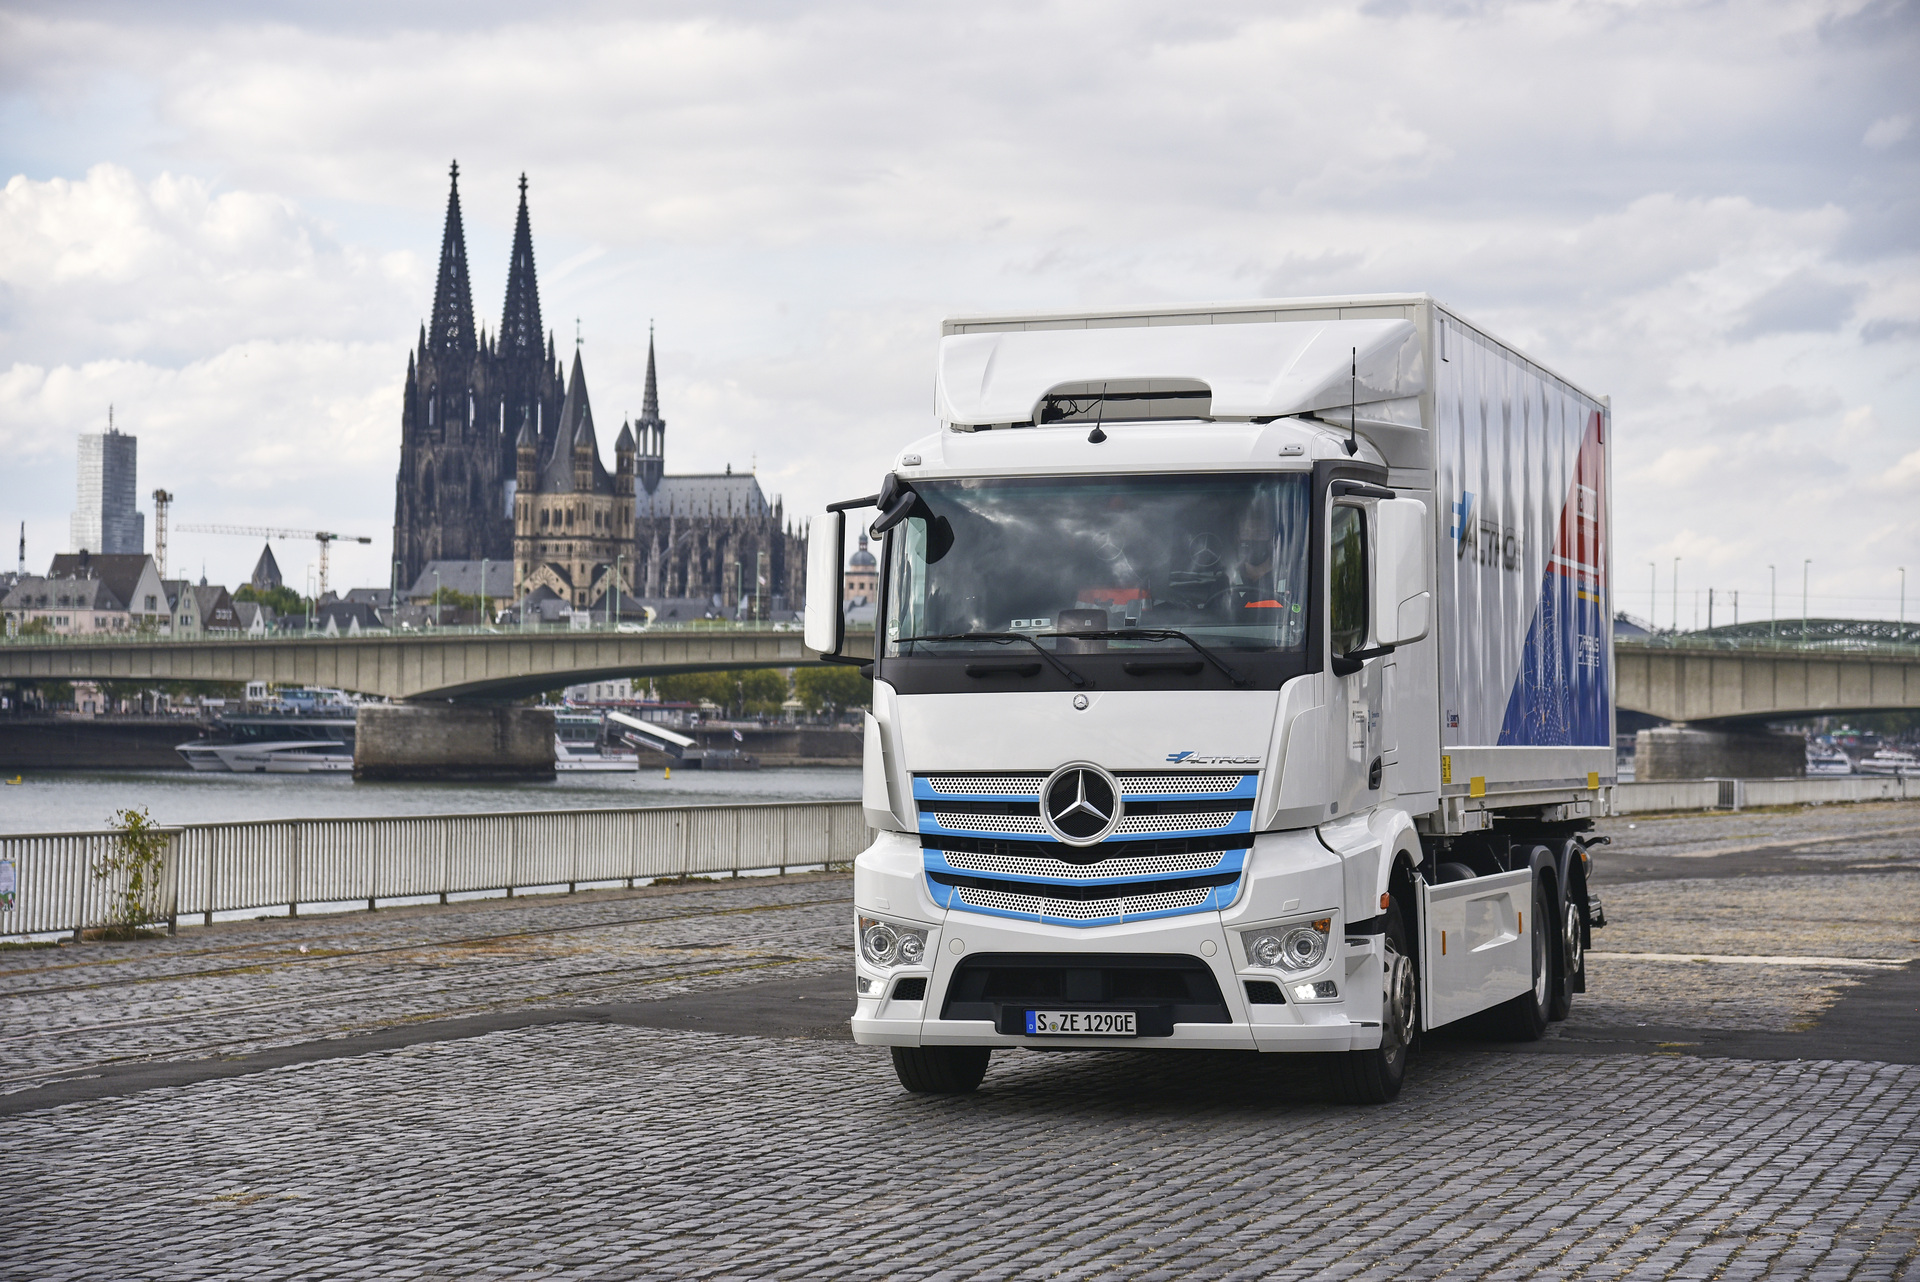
(83, 802)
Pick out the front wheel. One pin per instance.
(1375, 1076)
(940, 1070)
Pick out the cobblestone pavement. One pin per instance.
(607, 1150)
(235, 988)
(585, 1152)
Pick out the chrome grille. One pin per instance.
(1170, 784)
(1083, 909)
(986, 785)
(1027, 824)
(1060, 870)
(1175, 823)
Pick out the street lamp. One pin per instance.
(619, 560)
(1676, 594)
(1903, 594)
(436, 597)
(483, 590)
(1653, 596)
(1806, 576)
(1773, 604)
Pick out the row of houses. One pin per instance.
(85, 594)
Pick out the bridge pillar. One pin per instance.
(1682, 752)
(452, 742)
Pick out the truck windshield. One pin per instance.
(1220, 558)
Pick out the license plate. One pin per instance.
(1085, 1023)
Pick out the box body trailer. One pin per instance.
(1243, 678)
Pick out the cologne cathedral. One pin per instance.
(500, 460)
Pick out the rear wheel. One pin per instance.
(1572, 959)
(1375, 1076)
(1524, 1018)
(940, 1070)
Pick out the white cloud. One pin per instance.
(1666, 203)
(1886, 131)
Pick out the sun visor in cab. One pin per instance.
(1255, 370)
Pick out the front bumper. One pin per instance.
(1288, 875)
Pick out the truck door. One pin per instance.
(1357, 695)
(1475, 945)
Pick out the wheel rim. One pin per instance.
(1396, 1022)
(1570, 934)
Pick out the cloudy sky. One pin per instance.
(223, 219)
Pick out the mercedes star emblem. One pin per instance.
(1080, 804)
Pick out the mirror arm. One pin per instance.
(1371, 653)
(846, 504)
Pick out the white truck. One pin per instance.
(1242, 680)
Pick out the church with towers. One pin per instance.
(500, 461)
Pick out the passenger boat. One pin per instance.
(1827, 761)
(579, 746)
(299, 757)
(1888, 763)
(280, 743)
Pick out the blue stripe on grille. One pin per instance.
(1230, 861)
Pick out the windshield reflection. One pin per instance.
(1222, 559)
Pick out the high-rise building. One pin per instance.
(105, 519)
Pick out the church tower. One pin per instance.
(450, 500)
(650, 430)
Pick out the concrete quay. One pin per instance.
(657, 1083)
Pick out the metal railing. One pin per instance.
(131, 636)
(285, 863)
(1839, 647)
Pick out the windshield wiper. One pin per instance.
(1045, 653)
(1160, 634)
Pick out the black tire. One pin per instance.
(1375, 1076)
(1571, 961)
(1524, 1018)
(940, 1070)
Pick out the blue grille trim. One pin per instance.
(1244, 789)
(948, 897)
(1230, 861)
(1242, 822)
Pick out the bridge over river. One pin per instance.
(460, 664)
(1725, 682)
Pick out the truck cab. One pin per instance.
(1158, 754)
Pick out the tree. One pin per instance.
(833, 688)
(283, 599)
(754, 690)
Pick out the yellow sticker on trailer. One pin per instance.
(1593, 779)
(1446, 768)
(1477, 786)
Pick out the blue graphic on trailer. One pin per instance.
(1561, 695)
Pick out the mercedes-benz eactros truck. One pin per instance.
(1242, 679)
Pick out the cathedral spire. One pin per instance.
(650, 430)
(452, 329)
(520, 321)
(650, 400)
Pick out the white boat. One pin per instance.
(1827, 761)
(577, 757)
(201, 755)
(1888, 763)
(298, 757)
(579, 746)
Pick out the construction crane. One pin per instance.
(323, 537)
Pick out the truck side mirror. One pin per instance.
(1402, 595)
(826, 553)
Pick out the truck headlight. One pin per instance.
(885, 943)
(1295, 948)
